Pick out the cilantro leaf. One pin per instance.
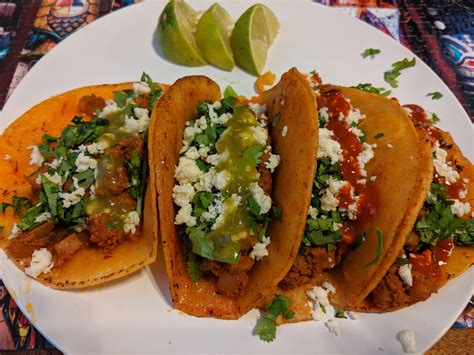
(379, 135)
(266, 328)
(435, 118)
(202, 246)
(28, 218)
(380, 241)
(370, 52)
(4, 206)
(194, 270)
(340, 314)
(368, 87)
(277, 212)
(402, 261)
(435, 95)
(276, 119)
(391, 76)
(19, 203)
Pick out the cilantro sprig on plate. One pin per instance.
(266, 328)
(391, 76)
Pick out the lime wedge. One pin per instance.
(175, 30)
(253, 34)
(213, 37)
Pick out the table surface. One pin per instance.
(431, 29)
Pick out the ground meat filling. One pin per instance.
(232, 278)
(391, 292)
(66, 248)
(308, 265)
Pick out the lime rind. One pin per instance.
(213, 37)
(176, 34)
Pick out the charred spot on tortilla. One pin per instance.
(85, 194)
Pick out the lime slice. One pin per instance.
(175, 30)
(213, 37)
(253, 34)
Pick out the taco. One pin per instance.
(230, 194)
(373, 173)
(74, 204)
(440, 245)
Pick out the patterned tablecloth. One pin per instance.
(441, 32)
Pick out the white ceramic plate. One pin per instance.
(135, 314)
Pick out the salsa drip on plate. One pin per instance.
(223, 188)
(343, 194)
(89, 187)
(445, 222)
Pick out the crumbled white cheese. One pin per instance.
(55, 178)
(221, 179)
(323, 112)
(143, 118)
(214, 210)
(85, 162)
(260, 134)
(328, 199)
(357, 131)
(442, 167)
(131, 222)
(390, 145)
(35, 157)
(405, 274)
(328, 147)
(272, 162)
(192, 153)
(95, 148)
(201, 123)
(257, 109)
(6, 157)
(365, 156)
(463, 193)
(203, 152)
(188, 135)
(110, 108)
(264, 201)
(284, 131)
(373, 178)
(408, 341)
(206, 181)
(460, 208)
(354, 116)
(217, 105)
(353, 207)
(43, 217)
(141, 88)
(183, 194)
(333, 326)
(74, 197)
(187, 170)
(184, 216)
(15, 232)
(259, 250)
(319, 297)
(362, 181)
(228, 206)
(313, 212)
(212, 114)
(41, 262)
(408, 110)
(56, 163)
(213, 159)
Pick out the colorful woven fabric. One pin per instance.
(440, 32)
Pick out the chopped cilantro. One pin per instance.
(20, 203)
(27, 220)
(391, 76)
(378, 135)
(435, 118)
(441, 223)
(340, 314)
(368, 87)
(4, 206)
(360, 238)
(370, 52)
(435, 95)
(402, 261)
(276, 119)
(266, 328)
(134, 171)
(380, 242)
(277, 212)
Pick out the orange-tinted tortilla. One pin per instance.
(462, 257)
(291, 189)
(403, 165)
(89, 266)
